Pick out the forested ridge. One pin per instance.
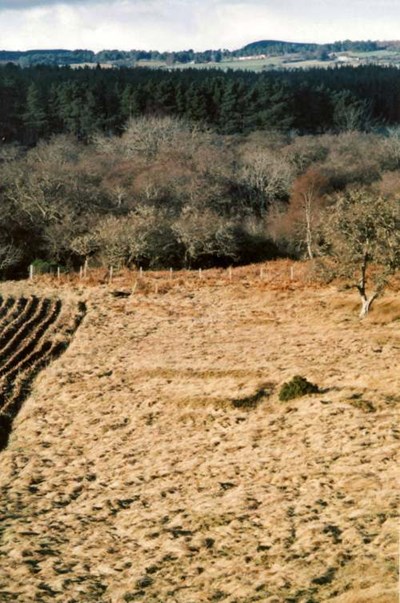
(40, 101)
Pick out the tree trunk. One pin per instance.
(309, 241)
(366, 303)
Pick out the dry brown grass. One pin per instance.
(134, 474)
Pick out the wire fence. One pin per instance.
(274, 274)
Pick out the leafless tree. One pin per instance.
(362, 233)
(146, 136)
(144, 236)
(268, 175)
(305, 207)
(84, 245)
(204, 233)
(10, 256)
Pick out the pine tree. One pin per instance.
(34, 117)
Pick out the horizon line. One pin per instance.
(221, 48)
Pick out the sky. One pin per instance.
(183, 24)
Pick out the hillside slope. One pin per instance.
(154, 462)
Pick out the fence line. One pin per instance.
(272, 273)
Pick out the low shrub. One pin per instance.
(297, 387)
(44, 266)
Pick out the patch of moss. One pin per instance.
(297, 387)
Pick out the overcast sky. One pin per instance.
(183, 24)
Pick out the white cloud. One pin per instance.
(180, 24)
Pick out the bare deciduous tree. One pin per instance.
(298, 224)
(84, 245)
(151, 239)
(146, 136)
(305, 207)
(9, 256)
(204, 233)
(363, 237)
(144, 236)
(268, 176)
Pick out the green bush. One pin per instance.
(297, 387)
(44, 266)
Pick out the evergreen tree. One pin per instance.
(196, 104)
(34, 117)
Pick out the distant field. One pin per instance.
(292, 61)
(284, 62)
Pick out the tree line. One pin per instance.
(168, 193)
(41, 101)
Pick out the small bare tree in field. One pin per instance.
(362, 234)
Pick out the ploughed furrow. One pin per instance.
(21, 336)
(5, 305)
(15, 310)
(27, 366)
(6, 311)
(16, 326)
(46, 333)
(50, 312)
(20, 387)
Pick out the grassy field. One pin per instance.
(153, 460)
(385, 57)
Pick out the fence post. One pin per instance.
(200, 274)
(170, 274)
(140, 272)
(110, 278)
(85, 267)
(58, 273)
(31, 272)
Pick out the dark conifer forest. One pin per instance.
(40, 101)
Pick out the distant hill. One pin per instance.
(275, 47)
(281, 47)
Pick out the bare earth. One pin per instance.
(154, 462)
